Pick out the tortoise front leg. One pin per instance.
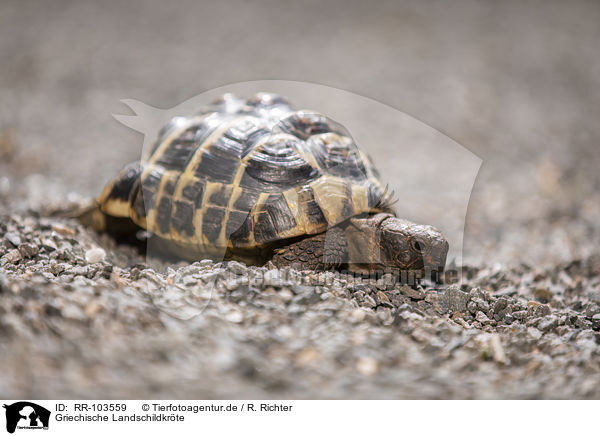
(324, 251)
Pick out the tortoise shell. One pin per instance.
(244, 174)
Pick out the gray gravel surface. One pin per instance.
(115, 327)
(517, 83)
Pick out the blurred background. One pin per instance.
(516, 83)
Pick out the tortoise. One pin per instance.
(257, 180)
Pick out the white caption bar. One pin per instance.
(281, 417)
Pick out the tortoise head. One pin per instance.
(400, 245)
(412, 247)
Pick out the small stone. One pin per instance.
(63, 230)
(596, 321)
(235, 316)
(500, 305)
(13, 238)
(508, 291)
(497, 349)
(421, 336)
(95, 255)
(385, 316)
(307, 356)
(13, 256)
(457, 299)
(382, 300)
(73, 312)
(481, 304)
(357, 315)
(92, 309)
(520, 315)
(205, 263)
(439, 303)
(386, 282)
(534, 333)
(415, 294)
(369, 301)
(542, 310)
(592, 309)
(236, 267)
(51, 309)
(542, 294)
(472, 307)
(482, 318)
(48, 245)
(537, 309)
(28, 250)
(191, 280)
(548, 323)
(302, 289)
(287, 295)
(272, 278)
(78, 271)
(367, 366)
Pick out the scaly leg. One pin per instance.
(324, 251)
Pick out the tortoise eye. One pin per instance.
(416, 245)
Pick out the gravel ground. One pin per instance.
(517, 83)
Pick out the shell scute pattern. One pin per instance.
(242, 173)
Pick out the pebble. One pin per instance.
(369, 301)
(519, 315)
(13, 256)
(272, 278)
(537, 309)
(357, 315)
(236, 267)
(367, 366)
(383, 300)
(307, 356)
(13, 238)
(28, 250)
(592, 309)
(508, 291)
(500, 305)
(235, 316)
(482, 318)
(543, 294)
(63, 230)
(472, 307)
(95, 255)
(457, 299)
(548, 323)
(508, 319)
(534, 333)
(73, 312)
(497, 349)
(48, 245)
(415, 294)
(286, 294)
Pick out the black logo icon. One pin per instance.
(26, 415)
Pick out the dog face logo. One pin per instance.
(26, 415)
